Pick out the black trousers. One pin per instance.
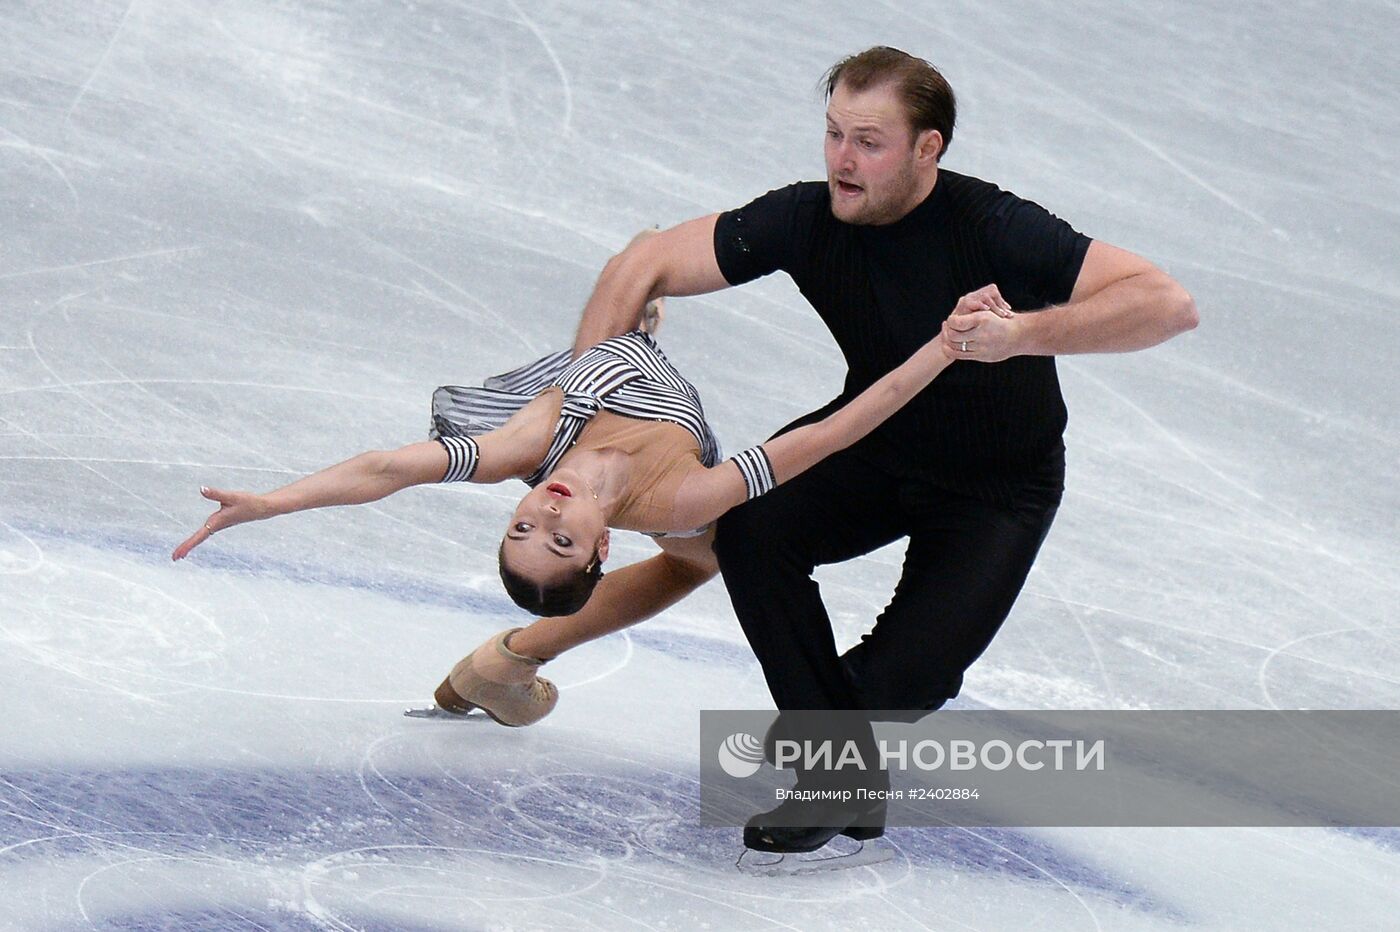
(965, 565)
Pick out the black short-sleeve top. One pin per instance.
(885, 290)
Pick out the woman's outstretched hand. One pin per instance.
(234, 508)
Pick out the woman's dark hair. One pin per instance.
(927, 97)
(562, 598)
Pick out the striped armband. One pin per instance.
(756, 469)
(462, 456)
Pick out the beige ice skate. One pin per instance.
(499, 682)
(652, 316)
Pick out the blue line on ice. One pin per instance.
(643, 818)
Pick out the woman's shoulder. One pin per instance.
(532, 427)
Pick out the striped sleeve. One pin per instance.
(462, 457)
(756, 469)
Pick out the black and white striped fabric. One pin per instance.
(627, 375)
(462, 456)
(757, 470)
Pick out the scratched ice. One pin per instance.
(245, 240)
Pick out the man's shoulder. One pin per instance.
(812, 191)
(771, 232)
(802, 205)
(986, 210)
(976, 199)
(968, 195)
(799, 194)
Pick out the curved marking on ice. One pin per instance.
(66, 659)
(907, 863)
(506, 325)
(1176, 441)
(1282, 648)
(1022, 858)
(567, 120)
(318, 871)
(82, 886)
(111, 43)
(987, 52)
(24, 145)
(628, 650)
(64, 384)
(1078, 615)
(23, 569)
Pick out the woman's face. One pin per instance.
(553, 532)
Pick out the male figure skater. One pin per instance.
(887, 250)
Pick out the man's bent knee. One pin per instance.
(913, 696)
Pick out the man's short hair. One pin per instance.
(927, 96)
(562, 598)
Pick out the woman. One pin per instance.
(615, 438)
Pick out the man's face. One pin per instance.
(871, 156)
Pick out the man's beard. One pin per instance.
(870, 212)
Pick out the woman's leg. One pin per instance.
(501, 677)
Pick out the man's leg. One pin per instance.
(767, 549)
(964, 568)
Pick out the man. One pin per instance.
(888, 250)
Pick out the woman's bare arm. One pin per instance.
(625, 597)
(512, 450)
(706, 495)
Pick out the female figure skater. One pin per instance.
(614, 438)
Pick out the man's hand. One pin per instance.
(234, 508)
(982, 327)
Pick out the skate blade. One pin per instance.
(441, 714)
(773, 864)
(437, 712)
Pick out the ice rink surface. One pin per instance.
(246, 240)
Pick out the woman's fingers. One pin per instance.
(994, 302)
(218, 520)
(191, 542)
(969, 304)
(997, 303)
(986, 298)
(220, 496)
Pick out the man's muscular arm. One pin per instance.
(1121, 303)
(678, 261)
